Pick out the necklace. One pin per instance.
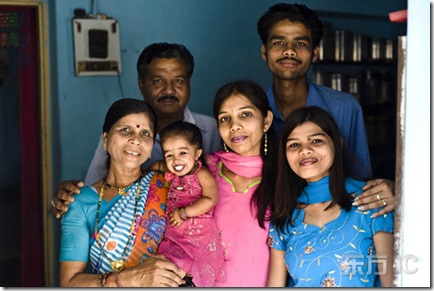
(121, 191)
(180, 187)
(118, 264)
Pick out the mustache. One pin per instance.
(168, 97)
(288, 59)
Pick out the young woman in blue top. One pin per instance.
(316, 234)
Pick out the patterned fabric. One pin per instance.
(340, 254)
(195, 245)
(115, 220)
(244, 241)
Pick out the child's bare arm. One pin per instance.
(208, 199)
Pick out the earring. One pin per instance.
(265, 145)
(105, 145)
(225, 147)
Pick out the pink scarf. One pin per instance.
(248, 167)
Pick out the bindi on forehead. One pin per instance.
(138, 126)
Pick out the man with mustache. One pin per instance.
(164, 71)
(290, 35)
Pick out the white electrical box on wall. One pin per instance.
(96, 47)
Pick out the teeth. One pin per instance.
(132, 153)
(178, 168)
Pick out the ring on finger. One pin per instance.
(52, 203)
(384, 202)
(379, 197)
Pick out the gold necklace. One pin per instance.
(118, 264)
(121, 191)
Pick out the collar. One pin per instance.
(245, 166)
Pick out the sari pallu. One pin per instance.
(114, 229)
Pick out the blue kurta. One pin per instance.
(340, 254)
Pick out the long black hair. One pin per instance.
(289, 185)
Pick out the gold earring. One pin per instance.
(225, 147)
(265, 145)
(105, 145)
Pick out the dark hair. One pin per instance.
(256, 95)
(126, 106)
(164, 50)
(289, 185)
(188, 131)
(294, 13)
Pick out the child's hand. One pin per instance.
(175, 218)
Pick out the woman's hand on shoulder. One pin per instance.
(377, 193)
(156, 271)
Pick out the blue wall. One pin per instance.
(220, 34)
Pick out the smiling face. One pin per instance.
(241, 125)
(289, 52)
(166, 86)
(180, 156)
(130, 141)
(309, 152)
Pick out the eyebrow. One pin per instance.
(239, 109)
(309, 136)
(180, 148)
(280, 37)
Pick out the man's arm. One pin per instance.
(65, 191)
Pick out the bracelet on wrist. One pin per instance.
(182, 213)
(117, 281)
(103, 279)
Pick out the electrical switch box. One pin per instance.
(96, 47)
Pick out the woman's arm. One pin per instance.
(383, 242)
(277, 273)
(156, 271)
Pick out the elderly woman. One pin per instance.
(118, 223)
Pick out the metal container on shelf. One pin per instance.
(337, 82)
(377, 49)
(321, 77)
(354, 87)
(390, 49)
(359, 47)
(325, 52)
(342, 46)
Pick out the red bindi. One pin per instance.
(138, 126)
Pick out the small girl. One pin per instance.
(192, 239)
(315, 234)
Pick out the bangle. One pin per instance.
(118, 284)
(103, 279)
(182, 213)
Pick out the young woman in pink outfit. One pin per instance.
(243, 119)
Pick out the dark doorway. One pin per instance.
(21, 251)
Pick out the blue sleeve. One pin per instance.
(383, 223)
(75, 239)
(276, 239)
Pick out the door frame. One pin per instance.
(44, 124)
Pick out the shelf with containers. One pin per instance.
(358, 55)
